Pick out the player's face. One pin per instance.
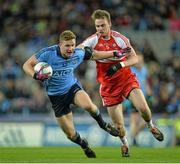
(103, 27)
(67, 48)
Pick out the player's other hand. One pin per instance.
(113, 69)
(40, 76)
(122, 52)
(119, 54)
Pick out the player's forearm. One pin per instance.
(132, 59)
(28, 66)
(28, 69)
(102, 55)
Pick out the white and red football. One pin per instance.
(44, 67)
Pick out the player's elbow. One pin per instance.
(134, 60)
(25, 66)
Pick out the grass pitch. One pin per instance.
(76, 155)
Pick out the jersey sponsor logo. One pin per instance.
(107, 46)
(114, 45)
(62, 72)
(100, 45)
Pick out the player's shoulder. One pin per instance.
(78, 50)
(92, 40)
(49, 48)
(93, 36)
(52, 48)
(78, 53)
(118, 34)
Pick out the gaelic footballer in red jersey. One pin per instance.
(117, 42)
(117, 82)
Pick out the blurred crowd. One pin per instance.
(29, 25)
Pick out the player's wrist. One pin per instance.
(35, 76)
(115, 53)
(122, 64)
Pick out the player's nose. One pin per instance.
(70, 50)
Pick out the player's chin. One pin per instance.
(103, 34)
(69, 54)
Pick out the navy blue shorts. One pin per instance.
(61, 103)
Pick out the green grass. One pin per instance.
(75, 155)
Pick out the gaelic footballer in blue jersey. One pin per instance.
(63, 88)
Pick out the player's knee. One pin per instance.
(90, 107)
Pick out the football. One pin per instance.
(44, 67)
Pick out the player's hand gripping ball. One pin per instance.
(42, 71)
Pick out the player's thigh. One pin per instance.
(67, 125)
(137, 98)
(116, 114)
(83, 100)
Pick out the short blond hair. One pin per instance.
(101, 14)
(67, 35)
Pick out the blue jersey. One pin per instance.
(63, 77)
(142, 76)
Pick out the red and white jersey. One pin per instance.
(116, 42)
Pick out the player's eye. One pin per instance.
(98, 26)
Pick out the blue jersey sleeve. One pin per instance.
(42, 55)
(81, 53)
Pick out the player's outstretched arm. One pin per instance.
(96, 55)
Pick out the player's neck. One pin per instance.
(64, 56)
(106, 37)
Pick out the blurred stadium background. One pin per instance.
(26, 118)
